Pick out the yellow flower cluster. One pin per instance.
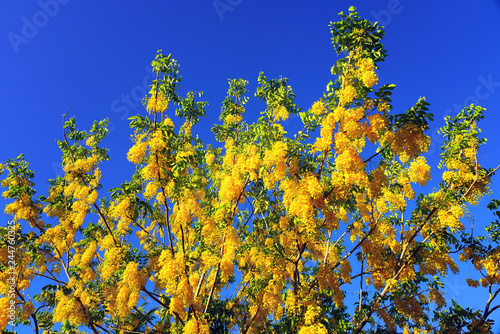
(419, 171)
(129, 289)
(378, 182)
(280, 113)
(121, 211)
(275, 159)
(313, 329)
(466, 254)
(318, 108)
(396, 200)
(209, 158)
(139, 149)
(354, 129)
(407, 189)
(311, 314)
(81, 293)
(90, 141)
(157, 142)
(461, 164)
(27, 310)
(231, 243)
(409, 307)
(196, 326)
(112, 259)
(151, 190)
(84, 195)
(155, 104)
(172, 277)
(185, 210)
(492, 266)
(82, 165)
(272, 300)
(345, 270)
(68, 308)
(472, 282)
(377, 124)
(329, 281)
(347, 94)
(60, 236)
(4, 312)
(233, 119)
(437, 297)
(324, 142)
(409, 142)
(366, 72)
(87, 256)
(450, 218)
(297, 199)
(22, 208)
(351, 165)
(231, 187)
(351, 134)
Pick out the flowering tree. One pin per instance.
(265, 233)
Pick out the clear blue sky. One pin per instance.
(95, 56)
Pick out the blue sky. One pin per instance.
(95, 56)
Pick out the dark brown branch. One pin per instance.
(247, 327)
(52, 278)
(33, 315)
(167, 213)
(487, 310)
(162, 304)
(375, 154)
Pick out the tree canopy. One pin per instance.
(270, 232)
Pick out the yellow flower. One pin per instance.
(409, 142)
(347, 94)
(151, 190)
(88, 254)
(90, 141)
(196, 326)
(233, 119)
(209, 157)
(318, 108)
(280, 113)
(4, 312)
(419, 171)
(155, 104)
(138, 150)
(366, 72)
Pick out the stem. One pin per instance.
(327, 247)
(162, 304)
(375, 154)
(64, 135)
(246, 328)
(198, 288)
(156, 95)
(87, 315)
(322, 163)
(487, 310)
(212, 289)
(296, 273)
(52, 278)
(361, 285)
(33, 314)
(167, 214)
